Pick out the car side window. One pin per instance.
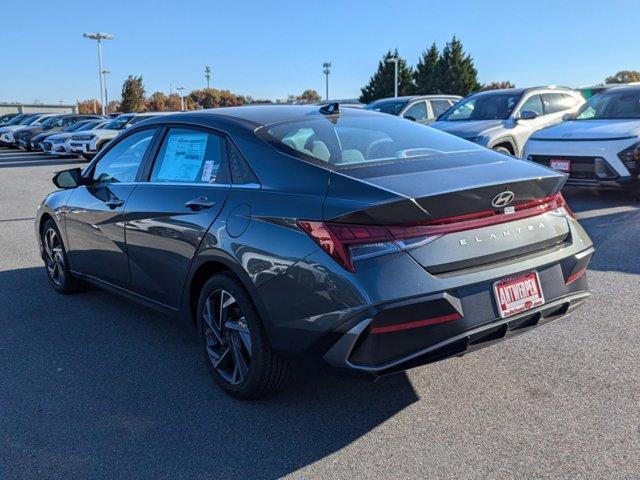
(533, 104)
(189, 156)
(556, 102)
(122, 162)
(439, 107)
(418, 111)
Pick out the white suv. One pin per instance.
(89, 143)
(597, 147)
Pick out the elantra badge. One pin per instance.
(503, 199)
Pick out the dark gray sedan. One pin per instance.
(344, 238)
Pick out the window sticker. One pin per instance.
(207, 171)
(183, 158)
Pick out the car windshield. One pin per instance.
(612, 105)
(118, 123)
(484, 106)
(15, 120)
(29, 120)
(50, 121)
(84, 126)
(394, 107)
(349, 141)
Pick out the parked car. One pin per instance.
(343, 238)
(57, 143)
(419, 108)
(597, 147)
(15, 120)
(343, 102)
(7, 132)
(56, 123)
(589, 91)
(88, 144)
(6, 117)
(504, 119)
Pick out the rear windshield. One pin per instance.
(348, 141)
(612, 105)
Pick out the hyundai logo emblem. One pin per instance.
(503, 199)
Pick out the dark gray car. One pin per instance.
(342, 238)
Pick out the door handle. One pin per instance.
(199, 203)
(114, 203)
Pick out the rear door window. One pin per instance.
(439, 107)
(189, 156)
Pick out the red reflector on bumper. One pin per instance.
(416, 324)
(572, 278)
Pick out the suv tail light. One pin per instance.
(346, 243)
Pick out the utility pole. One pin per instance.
(99, 37)
(106, 99)
(207, 75)
(180, 89)
(326, 69)
(395, 75)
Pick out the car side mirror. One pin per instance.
(528, 115)
(568, 116)
(68, 178)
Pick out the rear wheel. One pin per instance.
(504, 150)
(234, 341)
(55, 260)
(86, 156)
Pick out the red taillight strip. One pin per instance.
(416, 324)
(575, 276)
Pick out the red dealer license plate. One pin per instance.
(561, 165)
(518, 294)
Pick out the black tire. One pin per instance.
(55, 260)
(227, 344)
(504, 150)
(87, 157)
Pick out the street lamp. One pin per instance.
(99, 37)
(326, 69)
(207, 74)
(395, 75)
(106, 100)
(180, 89)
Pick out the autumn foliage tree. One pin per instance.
(624, 76)
(308, 96)
(498, 85)
(89, 106)
(213, 98)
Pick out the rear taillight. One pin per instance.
(346, 243)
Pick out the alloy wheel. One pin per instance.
(55, 258)
(227, 337)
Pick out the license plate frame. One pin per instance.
(560, 164)
(512, 299)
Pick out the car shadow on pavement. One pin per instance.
(37, 162)
(95, 386)
(610, 218)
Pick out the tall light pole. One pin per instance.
(326, 69)
(180, 89)
(395, 75)
(106, 99)
(207, 74)
(99, 37)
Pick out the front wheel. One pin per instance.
(55, 260)
(504, 150)
(234, 341)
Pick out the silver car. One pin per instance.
(503, 120)
(419, 108)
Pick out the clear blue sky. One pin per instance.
(271, 49)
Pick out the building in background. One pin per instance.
(36, 108)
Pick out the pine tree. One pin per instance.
(456, 73)
(426, 74)
(133, 95)
(381, 83)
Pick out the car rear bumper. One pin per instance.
(410, 332)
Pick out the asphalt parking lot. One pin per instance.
(93, 386)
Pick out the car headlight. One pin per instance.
(631, 157)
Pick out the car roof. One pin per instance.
(254, 116)
(408, 98)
